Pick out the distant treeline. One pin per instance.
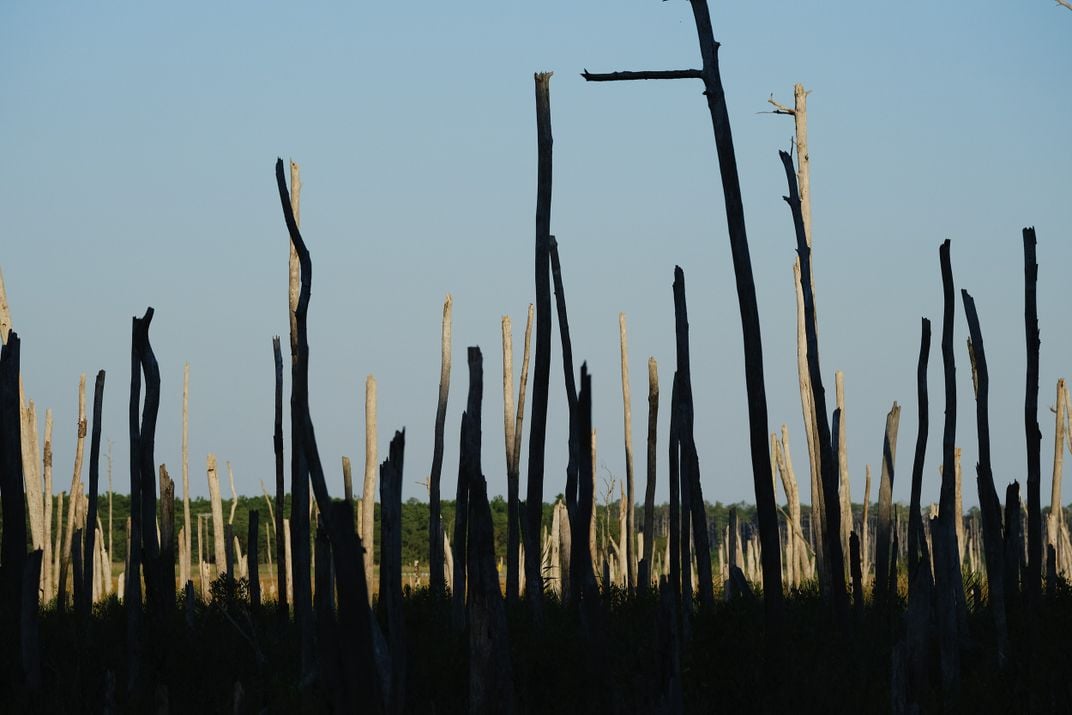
(415, 523)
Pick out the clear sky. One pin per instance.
(139, 141)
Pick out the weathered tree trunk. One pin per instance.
(674, 477)
(357, 628)
(461, 513)
(916, 534)
(282, 545)
(76, 490)
(947, 578)
(13, 559)
(864, 540)
(391, 565)
(856, 571)
(167, 539)
(630, 548)
(1053, 526)
(646, 572)
(83, 608)
(187, 536)
(993, 541)
(828, 467)
(132, 586)
(368, 497)
(883, 588)
(690, 463)
(435, 526)
(46, 561)
(513, 476)
(1031, 426)
(541, 373)
(156, 590)
(218, 541)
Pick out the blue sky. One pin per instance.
(140, 139)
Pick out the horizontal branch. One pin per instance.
(655, 74)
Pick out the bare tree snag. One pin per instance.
(187, 534)
(465, 472)
(5, 315)
(357, 629)
(828, 467)
(646, 572)
(167, 539)
(76, 489)
(541, 374)
(391, 565)
(884, 590)
(282, 545)
(630, 548)
(989, 505)
(844, 489)
(46, 562)
(1031, 426)
(807, 404)
(916, 535)
(368, 496)
(435, 526)
(513, 475)
(1053, 526)
(219, 552)
(83, 608)
(13, 547)
(746, 293)
(674, 477)
(31, 477)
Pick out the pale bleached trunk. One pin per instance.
(592, 545)
(630, 495)
(76, 487)
(290, 571)
(202, 584)
(35, 511)
(57, 548)
(368, 501)
(845, 491)
(803, 567)
(1053, 522)
(220, 549)
(185, 566)
(234, 494)
(5, 312)
(46, 564)
(810, 431)
(555, 557)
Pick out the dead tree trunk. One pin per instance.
(13, 548)
(435, 526)
(155, 590)
(828, 467)
(884, 590)
(916, 536)
(132, 586)
(1031, 426)
(219, 551)
(187, 536)
(746, 294)
(844, 489)
(988, 496)
(368, 496)
(76, 491)
(644, 578)
(83, 608)
(674, 477)
(461, 512)
(356, 625)
(541, 374)
(943, 534)
(630, 546)
(391, 566)
(690, 463)
(167, 539)
(513, 477)
(281, 543)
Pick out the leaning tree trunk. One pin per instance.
(916, 535)
(828, 467)
(989, 505)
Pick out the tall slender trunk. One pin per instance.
(282, 547)
(186, 474)
(435, 526)
(368, 497)
(76, 491)
(627, 409)
(513, 475)
(94, 481)
(541, 375)
(1031, 426)
(646, 571)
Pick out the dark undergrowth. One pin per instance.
(619, 660)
